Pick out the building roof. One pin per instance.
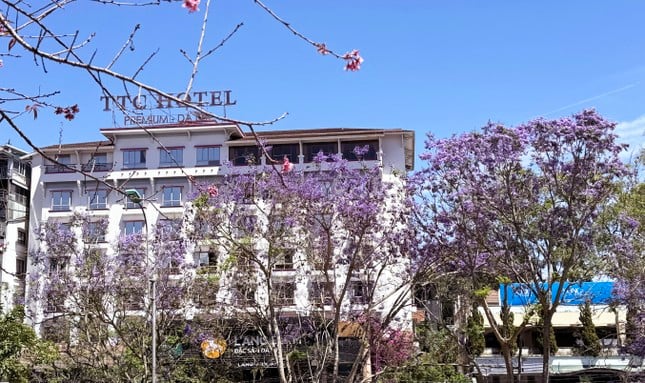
(332, 132)
(12, 150)
(238, 136)
(203, 125)
(78, 145)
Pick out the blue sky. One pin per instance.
(430, 66)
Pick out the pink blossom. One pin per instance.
(191, 5)
(286, 165)
(353, 60)
(212, 190)
(1, 63)
(322, 48)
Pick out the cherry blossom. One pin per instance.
(286, 165)
(68, 112)
(212, 190)
(191, 5)
(322, 48)
(353, 60)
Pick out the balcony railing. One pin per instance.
(55, 168)
(97, 167)
(71, 168)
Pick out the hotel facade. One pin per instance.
(162, 165)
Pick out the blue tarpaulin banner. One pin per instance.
(573, 294)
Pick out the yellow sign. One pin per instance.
(213, 348)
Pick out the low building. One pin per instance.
(567, 363)
(15, 180)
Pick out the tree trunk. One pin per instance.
(508, 362)
(285, 376)
(546, 345)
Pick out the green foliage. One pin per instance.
(475, 333)
(507, 328)
(539, 328)
(436, 363)
(20, 349)
(425, 369)
(589, 343)
(482, 293)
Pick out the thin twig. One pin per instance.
(145, 63)
(238, 26)
(199, 50)
(127, 42)
(293, 30)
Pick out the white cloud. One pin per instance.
(633, 134)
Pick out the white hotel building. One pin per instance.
(138, 158)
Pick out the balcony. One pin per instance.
(97, 167)
(55, 168)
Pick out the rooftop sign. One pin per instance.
(141, 103)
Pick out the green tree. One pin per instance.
(436, 362)
(588, 341)
(539, 338)
(508, 329)
(475, 333)
(20, 349)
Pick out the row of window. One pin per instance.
(172, 157)
(98, 163)
(365, 150)
(61, 200)
(238, 155)
(283, 295)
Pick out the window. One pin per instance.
(94, 232)
(132, 299)
(21, 168)
(171, 196)
(245, 295)
(57, 265)
(360, 292)
(21, 267)
(129, 204)
(244, 155)
(207, 156)
(134, 158)
(321, 293)
(171, 157)
(359, 150)
(64, 159)
(206, 260)
(312, 150)
(284, 260)
(61, 200)
(291, 151)
(133, 227)
(22, 237)
(283, 293)
(98, 199)
(169, 229)
(98, 163)
(21, 195)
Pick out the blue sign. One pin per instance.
(573, 293)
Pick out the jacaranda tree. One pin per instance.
(341, 230)
(95, 301)
(624, 239)
(522, 204)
